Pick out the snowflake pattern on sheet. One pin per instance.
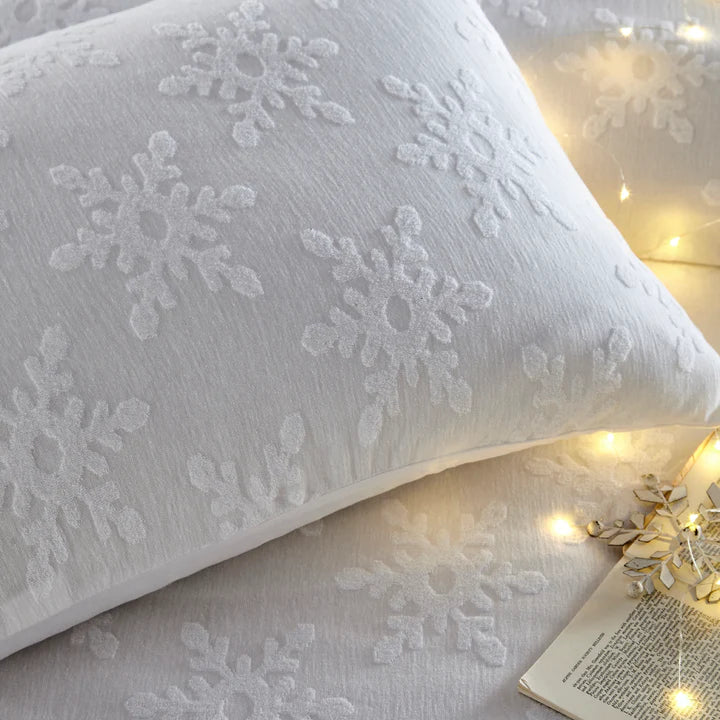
(223, 689)
(527, 10)
(69, 48)
(689, 342)
(651, 67)
(257, 498)
(560, 398)
(20, 19)
(436, 579)
(154, 230)
(282, 78)
(402, 311)
(48, 455)
(711, 193)
(496, 163)
(596, 472)
(96, 634)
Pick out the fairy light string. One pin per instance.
(689, 30)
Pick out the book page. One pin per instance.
(618, 658)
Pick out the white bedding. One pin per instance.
(344, 643)
(94, 670)
(443, 631)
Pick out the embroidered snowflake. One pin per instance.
(257, 498)
(224, 690)
(155, 230)
(435, 580)
(689, 342)
(21, 19)
(561, 401)
(220, 62)
(650, 68)
(495, 162)
(402, 311)
(48, 456)
(595, 474)
(20, 66)
(711, 193)
(97, 636)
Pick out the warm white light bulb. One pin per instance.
(717, 445)
(674, 242)
(561, 527)
(610, 438)
(624, 193)
(696, 33)
(626, 31)
(682, 701)
(693, 517)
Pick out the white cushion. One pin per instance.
(261, 263)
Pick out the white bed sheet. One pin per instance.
(427, 602)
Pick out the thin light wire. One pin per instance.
(623, 182)
(612, 33)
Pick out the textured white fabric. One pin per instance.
(249, 278)
(428, 602)
(20, 19)
(632, 91)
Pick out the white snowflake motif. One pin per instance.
(647, 68)
(220, 61)
(154, 230)
(436, 579)
(562, 403)
(21, 19)
(711, 193)
(689, 342)
(97, 636)
(527, 10)
(495, 162)
(596, 472)
(257, 499)
(48, 455)
(19, 66)
(401, 315)
(225, 690)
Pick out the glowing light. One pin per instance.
(693, 518)
(717, 445)
(610, 438)
(696, 33)
(674, 242)
(561, 526)
(624, 193)
(682, 701)
(626, 31)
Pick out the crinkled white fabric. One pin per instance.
(427, 602)
(20, 19)
(260, 262)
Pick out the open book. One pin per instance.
(651, 658)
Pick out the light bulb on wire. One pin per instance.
(682, 701)
(693, 32)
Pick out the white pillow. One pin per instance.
(270, 261)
